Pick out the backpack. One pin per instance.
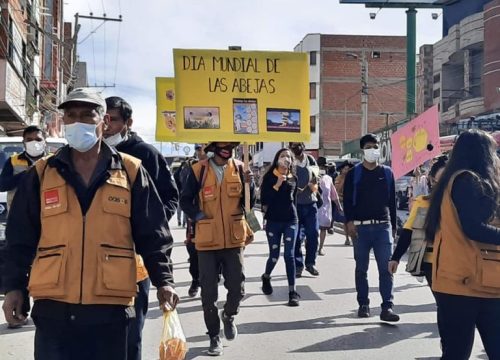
(358, 170)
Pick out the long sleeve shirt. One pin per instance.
(375, 199)
(281, 205)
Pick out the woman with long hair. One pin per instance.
(279, 196)
(413, 233)
(466, 271)
(338, 215)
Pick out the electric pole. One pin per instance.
(364, 94)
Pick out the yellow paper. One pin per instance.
(165, 109)
(241, 96)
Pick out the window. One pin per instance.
(312, 90)
(376, 55)
(437, 78)
(437, 93)
(312, 57)
(312, 119)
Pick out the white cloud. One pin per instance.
(151, 29)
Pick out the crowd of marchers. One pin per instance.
(88, 232)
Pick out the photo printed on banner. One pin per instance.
(245, 118)
(283, 120)
(201, 118)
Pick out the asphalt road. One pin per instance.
(324, 326)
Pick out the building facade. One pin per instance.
(33, 40)
(466, 64)
(341, 67)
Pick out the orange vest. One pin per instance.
(85, 259)
(225, 225)
(463, 266)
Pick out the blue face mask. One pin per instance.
(81, 137)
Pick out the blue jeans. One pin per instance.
(288, 231)
(379, 238)
(134, 339)
(308, 223)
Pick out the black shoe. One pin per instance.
(215, 348)
(178, 224)
(330, 231)
(230, 330)
(267, 288)
(298, 273)
(364, 311)
(293, 298)
(194, 288)
(389, 315)
(312, 270)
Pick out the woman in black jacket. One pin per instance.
(278, 198)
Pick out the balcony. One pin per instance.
(12, 98)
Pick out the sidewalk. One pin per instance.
(324, 326)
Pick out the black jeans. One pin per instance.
(459, 316)
(210, 263)
(193, 261)
(136, 325)
(64, 340)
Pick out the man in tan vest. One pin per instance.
(75, 225)
(213, 197)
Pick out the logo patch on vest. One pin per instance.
(116, 199)
(208, 191)
(51, 197)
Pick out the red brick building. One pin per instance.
(336, 83)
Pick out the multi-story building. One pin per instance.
(32, 63)
(466, 63)
(341, 67)
(425, 79)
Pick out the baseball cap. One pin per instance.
(85, 95)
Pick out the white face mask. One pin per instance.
(81, 137)
(35, 148)
(372, 155)
(210, 154)
(284, 162)
(114, 140)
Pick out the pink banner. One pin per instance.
(416, 142)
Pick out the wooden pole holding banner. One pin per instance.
(246, 167)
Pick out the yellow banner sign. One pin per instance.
(165, 109)
(241, 96)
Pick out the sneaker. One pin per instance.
(194, 288)
(330, 231)
(389, 315)
(364, 311)
(179, 224)
(267, 288)
(293, 298)
(321, 252)
(230, 330)
(215, 348)
(347, 243)
(298, 273)
(312, 270)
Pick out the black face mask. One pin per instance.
(218, 151)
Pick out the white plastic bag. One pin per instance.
(173, 345)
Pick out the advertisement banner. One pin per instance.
(165, 109)
(241, 96)
(416, 142)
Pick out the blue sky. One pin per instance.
(151, 29)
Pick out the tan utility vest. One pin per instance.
(85, 259)
(225, 226)
(463, 266)
(18, 165)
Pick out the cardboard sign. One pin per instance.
(241, 96)
(165, 109)
(416, 142)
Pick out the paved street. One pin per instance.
(325, 325)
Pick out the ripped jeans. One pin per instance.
(275, 232)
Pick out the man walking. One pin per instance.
(370, 211)
(307, 209)
(13, 172)
(117, 133)
(75, 225)
(213, 197)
